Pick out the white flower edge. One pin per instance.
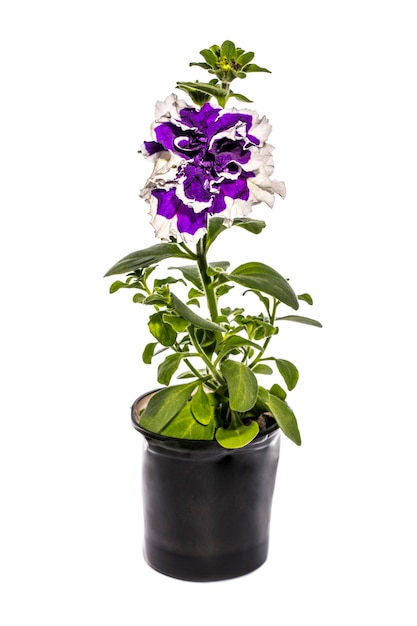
(166, 228)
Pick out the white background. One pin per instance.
(79, 81)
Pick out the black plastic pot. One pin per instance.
(206, 509)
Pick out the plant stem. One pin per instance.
(189, 252)
(268, 339)
(226, 87)
(204, 356)
(191, 367)
(207, 281)
(235, 420)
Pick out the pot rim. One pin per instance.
(149, 435)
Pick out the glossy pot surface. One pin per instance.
(206, 509)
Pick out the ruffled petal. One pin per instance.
(279, 187)
(206, 161)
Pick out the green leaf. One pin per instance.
(139, 297)
(239, 97)
(192, 317)
(156, 299)
(144, 258)
(185, 426)
(235, 342)
(252, 67)
(263, 278)
(164, 405)
(195, 293)
(284, 417)
(306, 297)
(117, 285)
(205, 66)
(148, 353)
(264, 330)
(263, 396)
(301, 320)
(163, 332)
(262, 368)
(228, 311)
(168, 367)
(146, 272)
(246, 58)
(209, 57)
(232, 438)
(264, 299)
(228, 49)
(186, 375)
(253, 226)
(223, 289)
(190, 273)
(201, 407)
(216, 268)
(278, 391)
(207, 88)
(198, 97)
(242, 385)
(179, 324)
(215, 227)
(288, 372)
(169, 280)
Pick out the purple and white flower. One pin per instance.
(207, 161)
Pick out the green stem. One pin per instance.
(204, 356)
(191, 367)
(145, 285)
(207, 281)
(235, 420)
(268, 339)
(226, 87)
(192, 255)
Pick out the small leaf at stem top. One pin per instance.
(228, 49)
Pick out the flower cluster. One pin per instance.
(207, 161)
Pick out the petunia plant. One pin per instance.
(211, 165)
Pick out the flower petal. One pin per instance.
(206, 161)
(279, 188)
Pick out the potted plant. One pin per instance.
(212, 433)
